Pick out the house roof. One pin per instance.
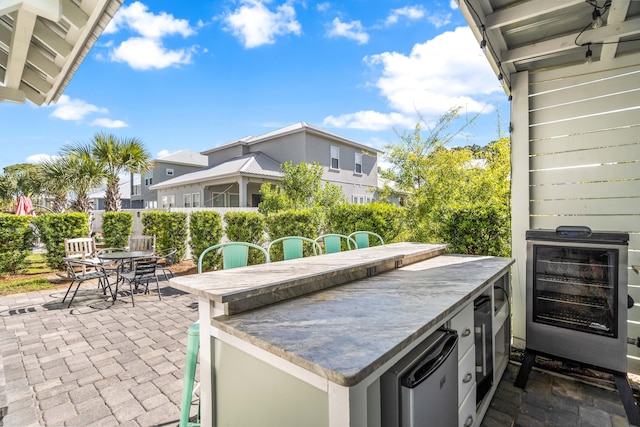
(288, 130)
(255, 164)
(185, 157)
(42, 44)
(545, 34)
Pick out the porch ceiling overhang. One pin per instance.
(537, 35)
(43, 42)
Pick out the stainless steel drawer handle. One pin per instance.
(469, 421)
(468, 377)
(466, 332)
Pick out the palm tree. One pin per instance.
(57, 181)
(119, 156)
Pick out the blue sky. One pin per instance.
(197, 74)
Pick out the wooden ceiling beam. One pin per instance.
(564, 43)
(617, 13)
(525, 10)
(74, 14)
(23, 25)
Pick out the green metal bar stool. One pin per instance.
(193, 342)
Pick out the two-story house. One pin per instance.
(166, 168)
(238, 169)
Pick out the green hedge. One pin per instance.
(303, 222)
(16, 241)
(205, 229)
(170, 229)
(54, 228)
(246, 227)
(385, 219)
(116, 227)
(482, 229)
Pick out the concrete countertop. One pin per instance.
(344, 333)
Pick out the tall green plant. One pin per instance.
(385, 219)
(205, 230)
(16, 240)
(303, 222)
(246, 227)
(116, 227)
(170, 229)
(55, 228)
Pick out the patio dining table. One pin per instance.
(121, 258)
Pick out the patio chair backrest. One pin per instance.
(362, 238)
(234, 254)
(144, 268)
(293, 246)
(333, 242)
(80, 248)
(142, 243)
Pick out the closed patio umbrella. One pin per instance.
(24, 207)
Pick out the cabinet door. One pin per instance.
(466, 374)
(463, 323)
(467, 412)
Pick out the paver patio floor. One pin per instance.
(97, 363)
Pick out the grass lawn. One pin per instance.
(34, 278)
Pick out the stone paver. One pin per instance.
(97, 363)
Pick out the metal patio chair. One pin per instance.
(144, 270)
(81, 271)
(362, 238)
(333, 242)
(234, 254)
(293, 246)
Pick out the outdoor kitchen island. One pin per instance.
(306, 341)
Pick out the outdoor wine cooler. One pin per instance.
(577, 302)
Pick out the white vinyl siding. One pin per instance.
(576, 152)
(335, 158)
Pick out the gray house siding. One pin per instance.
(158, 175)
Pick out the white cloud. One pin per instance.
(162, 153)
(109, 123)
(439, 19)
(323, 7)
(369, 120)
(40, 158)
(409, 12)
(255, 25)
(352, 30)
(148, 51)
(445, 72)
(74, 109)
(137, 18)
(144, 54)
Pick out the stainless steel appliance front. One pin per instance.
(421, 390)
(577, 297)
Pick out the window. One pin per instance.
(136, 190)
(168, 201)
(335, 158)
(218, 200)
(196, 200)
(187, 200)
(360, 199)
(358, 168)
(234, 200)
(169, 172)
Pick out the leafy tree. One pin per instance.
(441, 181)
(299, 188)
(21, 179)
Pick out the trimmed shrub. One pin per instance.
(384, 219)
(55, 228)
(170, 229)
(116, 227)
(246, 227)
(205, 230)
(481, 229)
(16, 240)
(303, 222)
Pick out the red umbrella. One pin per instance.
(25, 207)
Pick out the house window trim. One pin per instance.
(170, 172)
(335, 149)
(187, 200)
(195, 196)
(357, 163)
